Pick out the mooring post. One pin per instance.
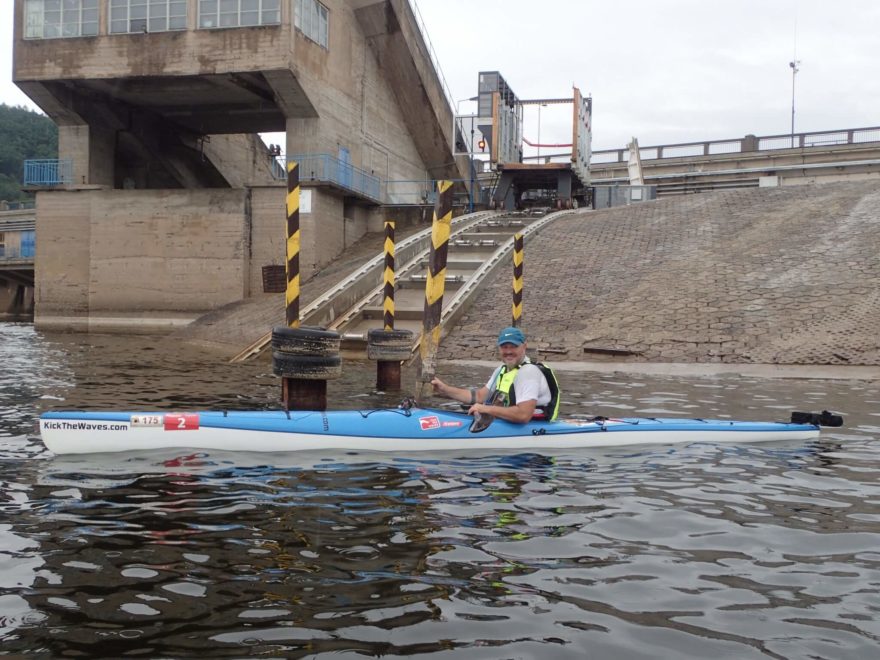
(435, 284)
(389, 347)
(517, 279)
(304, 357)
(291, 297)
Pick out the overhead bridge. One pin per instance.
(479, 243)
(751, 161)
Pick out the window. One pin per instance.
(52, 19)
(312, 18)
(128, 16)
(238, 13)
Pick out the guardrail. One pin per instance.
(423, 28)
(747, 144)
(25, 248)
(17, 206)
(48, 172)
(325, 168)
(415, 192)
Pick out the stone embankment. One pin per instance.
(772, 276)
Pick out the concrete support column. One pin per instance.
(73, 144)
(92, 150)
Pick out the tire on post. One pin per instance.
(389, 345)
(305, 341)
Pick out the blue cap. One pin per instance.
(513, 336)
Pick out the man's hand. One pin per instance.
(518, 414)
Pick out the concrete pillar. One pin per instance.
(73, 144)
(749, 143)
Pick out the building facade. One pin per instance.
(171, 203)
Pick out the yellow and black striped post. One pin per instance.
(388, 299)
(297, 393)
(291, 298)
(517, 279)
(436, 283)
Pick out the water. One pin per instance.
(691, 551)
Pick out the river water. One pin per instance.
(691, 551)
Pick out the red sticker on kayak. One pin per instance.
(428, 423)
(184, 422)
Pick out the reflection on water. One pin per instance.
(688, 551)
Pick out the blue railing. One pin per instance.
(325, 168)
(23, 251)
(48, 172)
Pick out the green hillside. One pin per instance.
(24, 135)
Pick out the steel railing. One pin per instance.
(324, 168)
(747, 144)
(48, 172)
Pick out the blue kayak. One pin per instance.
(391, 430)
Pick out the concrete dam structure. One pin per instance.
(768, 276)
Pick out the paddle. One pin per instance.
(483, 420)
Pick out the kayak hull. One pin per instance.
(388, 430)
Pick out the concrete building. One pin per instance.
(170, 205)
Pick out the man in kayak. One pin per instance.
(527, 390)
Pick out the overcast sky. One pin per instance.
(664, 71)
(670, 70)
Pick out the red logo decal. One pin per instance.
(184, 422)
(429, 423)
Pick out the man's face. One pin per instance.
(511, 354)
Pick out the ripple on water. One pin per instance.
(689, 551)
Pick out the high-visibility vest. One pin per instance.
(504, 384)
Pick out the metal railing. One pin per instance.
(747, 144)
(324, 168)
(423, 28)
(17, 206)
(415, 192)
(23, 251)
(48, 172)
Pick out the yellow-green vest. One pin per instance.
(504, 384)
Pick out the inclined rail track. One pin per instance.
(360, 293)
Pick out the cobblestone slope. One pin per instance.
(774, 276)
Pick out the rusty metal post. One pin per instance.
(517, 279)
(300, 394)
(435, 284)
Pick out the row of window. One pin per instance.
(52, 19)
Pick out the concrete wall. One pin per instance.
(106, 257)
(139, 260)
(174, 53)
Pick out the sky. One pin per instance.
(664, 71)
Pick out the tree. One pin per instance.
(24, 135)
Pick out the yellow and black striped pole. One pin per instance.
(436, 282)
(517, 279)
(388, 300)
(291, 298)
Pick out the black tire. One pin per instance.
(389, 345)
(305, 341)
(307, 367)
(381, 337)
